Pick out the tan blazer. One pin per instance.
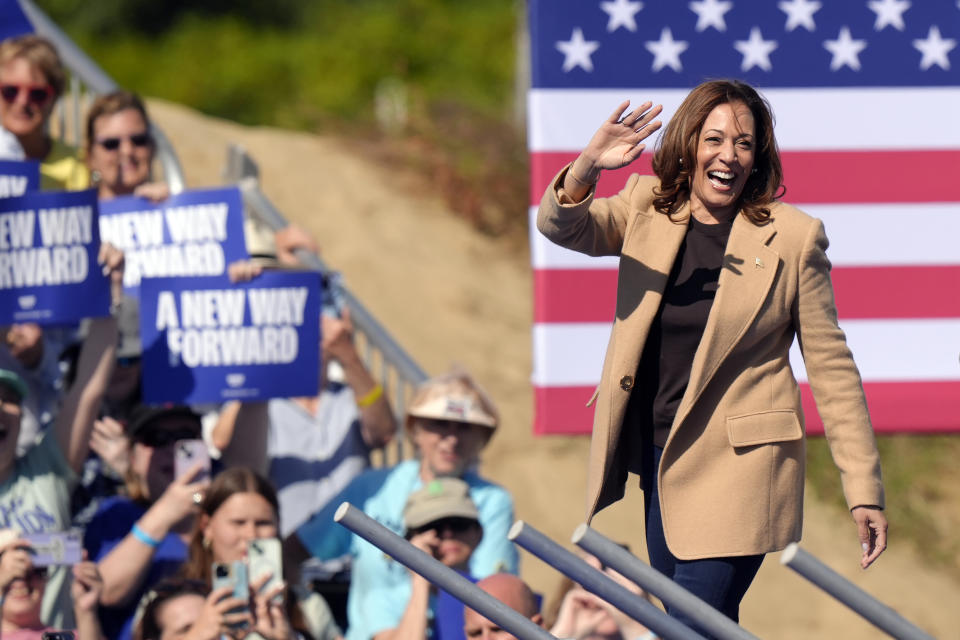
(732, 472)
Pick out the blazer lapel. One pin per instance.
(749, 269)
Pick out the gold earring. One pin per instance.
(206, 543)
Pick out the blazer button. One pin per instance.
(626, 383)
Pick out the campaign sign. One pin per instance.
(210, 340)
(194, 233)
(49, 274)
(18, 177)
(13, 22)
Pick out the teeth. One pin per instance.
(724, 175)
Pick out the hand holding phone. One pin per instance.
(234, 576)
(264, 557)
(187, 455)
(55, 548)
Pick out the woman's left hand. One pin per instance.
(153, 191)
(270, 614)
(872, 530)
(87, 586)
(111, 261)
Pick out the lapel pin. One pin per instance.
(758, 263)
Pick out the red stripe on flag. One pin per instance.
(895, 407)
(811, 177)
(589, 295)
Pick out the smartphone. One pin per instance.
(55, 548)
(57, 635)
(264, 556)
(186, 455)
(234, 575)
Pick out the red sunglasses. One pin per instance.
(37, 94)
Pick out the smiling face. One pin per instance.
(447, 447)
(25, 114)
(23, 599)
(121, 151)
(241, 518)
(725, 157)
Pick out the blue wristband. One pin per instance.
(144, 537)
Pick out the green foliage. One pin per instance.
(920, 479)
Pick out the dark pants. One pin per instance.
(720, 582)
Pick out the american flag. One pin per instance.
(866, 96)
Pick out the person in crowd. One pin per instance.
(121, 148)
(511, 591)
(583, 616)
(717, 277)
(35, 488)
(32, 78)
(22, 585)
(142, 536)
(241, 506)
(449, 420)
(314, 445)
(441, 520)
(180, 609)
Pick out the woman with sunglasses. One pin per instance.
(140, 538)
(120, 148)
(32, 77)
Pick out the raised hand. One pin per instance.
(215, 619)
(87, 586)
(617, 142)
(109, 441)
(270, 614)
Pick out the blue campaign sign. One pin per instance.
(18, 177)
(210, 340)
(194, 233)
(13, 22)
(48, 258)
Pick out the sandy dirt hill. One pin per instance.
(450, 295)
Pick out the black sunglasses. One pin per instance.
(157, 438)
(137, 140)
(455, 525)
(36, 94)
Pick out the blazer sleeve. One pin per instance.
(594, 226)
(834, 378)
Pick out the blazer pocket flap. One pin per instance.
(763, 427)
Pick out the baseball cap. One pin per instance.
(438, 499)
(145, 416)
(13, 381)
(454, 396)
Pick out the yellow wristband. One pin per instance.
(370, 397)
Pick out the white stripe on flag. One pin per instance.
(884, 350)
(565, 119)
(860, 235)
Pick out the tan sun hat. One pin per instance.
(453, 396)
(438, 499)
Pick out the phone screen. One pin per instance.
(187, 454)
(264, 556)
(233, 575)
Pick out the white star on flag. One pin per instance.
(577, 51)
(935, 49)
(800, 14)
(756, 51)
(889, 13)
(666, 51)
(710, 14)
(622, 14)
(845, 50)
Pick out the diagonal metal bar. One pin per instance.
(599, 584)
(672, 594)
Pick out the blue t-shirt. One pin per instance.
(112, 522)
(380, 586)
(448, 615)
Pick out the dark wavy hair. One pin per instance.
(676, 154)
(166, 591)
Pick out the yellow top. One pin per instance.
(63, 169)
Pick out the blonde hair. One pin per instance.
(39, 52)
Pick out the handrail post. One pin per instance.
(438, 573)
(879, 614)
(599, 584)
(669, 592)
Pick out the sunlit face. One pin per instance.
(176, 615)
(447, 448)
(725, 154)
(23, 599)
(24, 116)
(10, 413)
(476, 627)
(121, 151)
(25, 342)
(241, 518)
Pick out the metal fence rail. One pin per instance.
(879, 614)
